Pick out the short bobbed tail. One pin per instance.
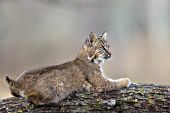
(13, 86)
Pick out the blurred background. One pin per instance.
(35, 33)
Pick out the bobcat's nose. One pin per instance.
(107, 56)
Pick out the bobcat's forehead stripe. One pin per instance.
(106, 50)
(103, 42)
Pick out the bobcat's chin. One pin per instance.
(100, 60)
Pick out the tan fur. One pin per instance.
(53, 83)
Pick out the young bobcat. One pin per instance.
(53, 83)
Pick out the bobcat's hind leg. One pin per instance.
(37, 98)
(34, 97)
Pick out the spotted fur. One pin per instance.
(51, 84)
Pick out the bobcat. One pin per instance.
(53, 83)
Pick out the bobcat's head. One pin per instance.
(97, 48)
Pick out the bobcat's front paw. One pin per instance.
(128, 82)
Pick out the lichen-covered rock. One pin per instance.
(140, 98)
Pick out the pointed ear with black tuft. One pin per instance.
(104, 35)
(92, 37)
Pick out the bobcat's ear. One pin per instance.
(104, 35)
(92, 37)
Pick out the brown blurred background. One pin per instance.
(35, 33)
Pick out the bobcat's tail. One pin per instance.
(13, 86)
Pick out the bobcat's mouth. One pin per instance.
(98, 61)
